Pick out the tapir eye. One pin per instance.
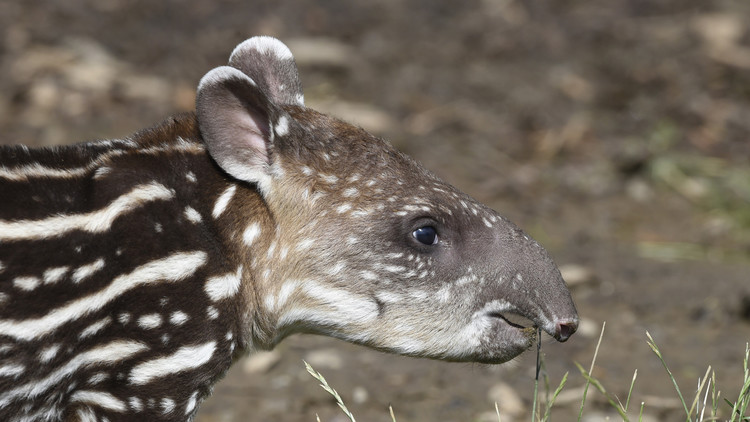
(426, 235)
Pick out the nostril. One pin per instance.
(566, 329)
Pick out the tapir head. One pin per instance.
(367, 245)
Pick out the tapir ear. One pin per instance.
(270, 64)
(236, 119)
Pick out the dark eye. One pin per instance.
(426, 235)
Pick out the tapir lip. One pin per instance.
(513, 319)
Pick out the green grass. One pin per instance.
(706, 405)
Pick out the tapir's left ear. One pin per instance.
(270, 64)
(237, 122)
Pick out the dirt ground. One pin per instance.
(616, 133)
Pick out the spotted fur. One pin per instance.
(134, 272)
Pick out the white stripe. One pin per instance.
(223, 201)
(113, 352)
(223, 286)
(49, 353)
(99, 398)
(12, 370)
(84, 271)
(187, 357)
(191, 403)
(175, 267)
(22, 173)
(94, 222)
(37, 170)
(95, 328)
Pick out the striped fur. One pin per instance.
(115, 296)
(134, 272)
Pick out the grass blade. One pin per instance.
(330, 390)
(656, 351)
(591, 369)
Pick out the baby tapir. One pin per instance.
(134, 272)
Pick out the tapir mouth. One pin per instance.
(514, 320)
(560, 330)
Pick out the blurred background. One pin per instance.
(616, 133)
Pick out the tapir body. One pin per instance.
(134, 272)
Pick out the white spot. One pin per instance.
(368, 275)
(184, 359)
(167, 405)
(95, 328)
(282, 127)
(190, 176)
(250, 234)
(305, 244)
(192, 402)
(175, 267)
(336, 268)
(136, 404)
(85, 271)
(99, 398)
(343, 208)
(418, 295)
(28, 283)
(395, 255)
(350, 192)
(192, 215)
(98, 378)
(393, 268)
(99, 221)
(307, 171)
(124, 318)
(158, 227)
(389, 297)
(149, 321)
(49, 353)
(487, 222)
(444, 294)
(2, 266)
(53, 275)
(178, 318)
(223, 286)
(329, 178)
(223, 201)
(212, 313)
